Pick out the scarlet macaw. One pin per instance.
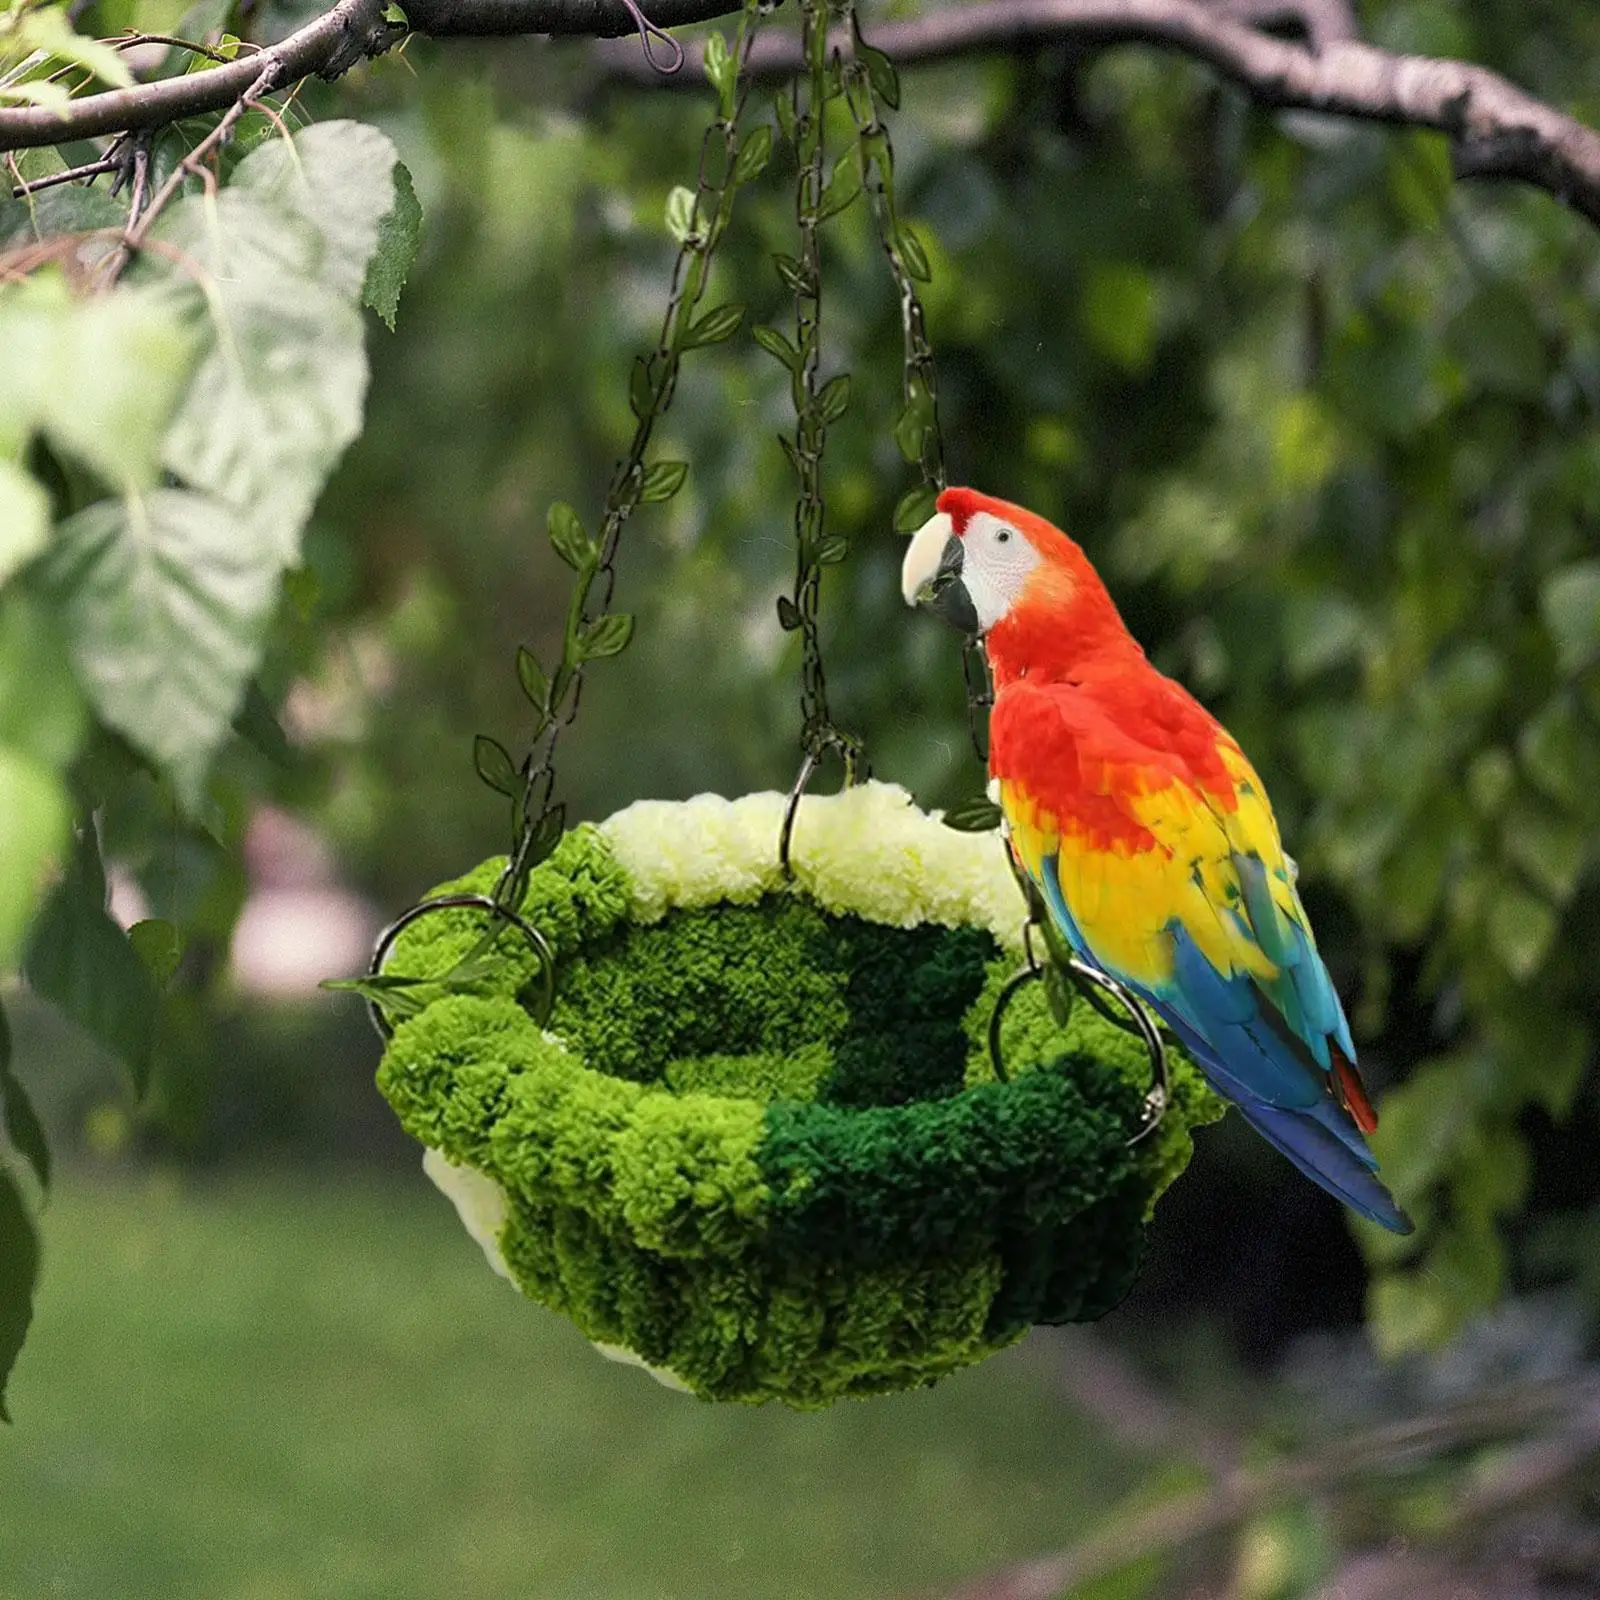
(1150, 836)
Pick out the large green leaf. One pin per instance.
(33, 828)
(23, 1127)
(24, 518)
(281, 255)
(82, 961)
(42, 710)
(19, 1272)
(278, 392)
(1571, 603)
(338, 176)
(166, 599)
(100, 377)
(399, 234)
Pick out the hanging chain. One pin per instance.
(870, 79)
(699, 219)
(819, 194)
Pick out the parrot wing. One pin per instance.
(1155, 849)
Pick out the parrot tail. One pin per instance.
(1323, 1153)
(1352, 1092)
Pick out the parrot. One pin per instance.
(1150, 837)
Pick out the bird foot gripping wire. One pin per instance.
(1094, 986)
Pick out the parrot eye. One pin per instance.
(1002, 536)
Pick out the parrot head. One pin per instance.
(991, 569)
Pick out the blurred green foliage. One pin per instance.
(1326, 422)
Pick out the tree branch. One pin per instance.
(1495, 129)
(1571, 1406)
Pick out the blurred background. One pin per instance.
(1327, 424)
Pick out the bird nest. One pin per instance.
(758, 1145)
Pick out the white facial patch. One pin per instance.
(995, 565)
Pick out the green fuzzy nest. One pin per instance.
(762, 1147)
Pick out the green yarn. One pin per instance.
(761, 1146)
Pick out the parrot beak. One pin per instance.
(931, 574)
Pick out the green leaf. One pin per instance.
(914, 256)
(567, 537)
(881, 74)
(775, 344)
(788, 614)
(34, 820)
(833, 550)
(23, 1127)
(280, 385)
(1521, 928)
(1570, 601)
(720, 68)
(396, 997)
(101, 377)
(1496, 339)
(47, 29)
(24, 518)
(791, 272)
(783, 109)
(641, 388)
(531, 676)
(1548, 845)
(340, 177)
(915, 423)
(609, 636)
(257, 724)
(495, 766)
(977, 815)
(914, 508)
(753, 155)
(1560, 755)
(166, 599)
(716, 325)
(842, 188)
(547, 833)
(399, 234)
(19, 1275)
(662, 480)
(683, 221)
(833, 399)
(82, 961)
(157, 944)
(1118, 313)
(42, 710)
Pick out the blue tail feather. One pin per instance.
(1257, 1058)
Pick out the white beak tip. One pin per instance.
(923, 555)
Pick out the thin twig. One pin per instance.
(141, 218)
(90, 169)
(132, 41)
(1242, 1494)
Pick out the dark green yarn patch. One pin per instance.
(761, 1146)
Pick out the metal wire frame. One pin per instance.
(453, 902)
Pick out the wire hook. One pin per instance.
(450, 902)
(1089, 981)
(648, 34)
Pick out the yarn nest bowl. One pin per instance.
(759, 1146)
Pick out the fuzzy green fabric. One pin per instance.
(761, 1146)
